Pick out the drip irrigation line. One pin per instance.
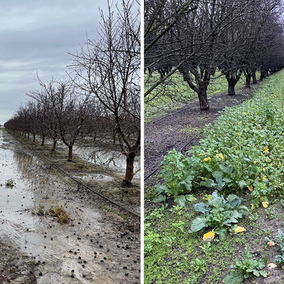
(93, 191)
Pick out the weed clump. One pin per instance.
(10, 183)
(57, 211)
(60, 213)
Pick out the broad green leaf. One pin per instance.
(243, 210)
(222, 233)
(234, 277)
(227, 170)
(236, 214)
(218, 177)
(234, 200)
(180, 200)
(208, 183)
(242, 184)
(161, 188)
(187, 183)
(227, 180)
(216, 201)
(160, 198)
(190, 197)
(198, 224)
(201, 207)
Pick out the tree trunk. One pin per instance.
(202, 95)
(34, 137)
(254, 81)
(233, 78)
(248, 77)
(54, 145)
(129, 169)
(263, 74)
(42, 140)
(231, 85)
(231, 90)
(70, 153)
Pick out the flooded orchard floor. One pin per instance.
(96, 246)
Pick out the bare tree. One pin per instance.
(65, 111)
(207, 35)
(109, 69)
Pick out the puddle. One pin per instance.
(84, 251)
(114, 160)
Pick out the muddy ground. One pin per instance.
(99, 244)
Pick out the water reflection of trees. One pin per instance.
(26, 167)
(111, 159)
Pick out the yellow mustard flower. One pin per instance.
(206, 159)
(208, 197)
(209, 236)
(265, 204)
(252, 206)
(240, 229)
(271, 243)
(220, 156)
(266, 149)
(250, 188)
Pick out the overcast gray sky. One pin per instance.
(36, 36)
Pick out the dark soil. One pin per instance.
(15, 268)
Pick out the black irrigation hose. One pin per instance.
(93, 191)
(178, 149)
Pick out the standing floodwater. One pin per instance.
(16, 195)
(93, 247)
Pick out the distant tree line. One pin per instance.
(101, 97)
(200, 37)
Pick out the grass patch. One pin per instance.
(175, 93)
(189, 130)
